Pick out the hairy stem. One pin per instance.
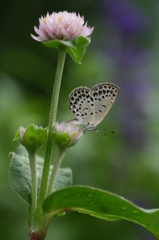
(52, 119)
(57, 164)
(33, 207)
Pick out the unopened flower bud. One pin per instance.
(32, 137)
(66, 134)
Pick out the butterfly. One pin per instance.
(90, 106)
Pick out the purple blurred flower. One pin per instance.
(129, 56)
(127, 17)
(61, 26)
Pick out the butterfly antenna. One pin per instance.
(104, 130)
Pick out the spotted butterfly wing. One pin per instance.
(82, 104)
(104, 96)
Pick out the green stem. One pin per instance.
(33, 207)
(52, 119)
(55, 169)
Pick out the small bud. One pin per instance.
(66, 134)
(32, 138)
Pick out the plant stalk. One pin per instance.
(52, 119)
(57, 163)
(33, 207)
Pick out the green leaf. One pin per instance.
(73, 43)
(21, 150)
(101, 204)
(17, 136)
(75, 47)
(82, 41)
(58, 43)
(20, 175)
(77, 54)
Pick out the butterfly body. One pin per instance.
(87, 126)
(90, 106)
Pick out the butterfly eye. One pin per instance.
(95, 129)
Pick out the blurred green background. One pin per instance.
(124, 51)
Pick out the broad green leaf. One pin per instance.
(101, 204)
(21, 150)
(77, 54)
(20, 175)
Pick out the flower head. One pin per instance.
(61, 26)
(66, 134)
